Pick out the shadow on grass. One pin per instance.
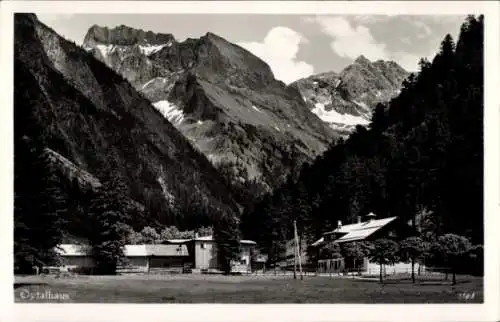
(18, 285)
(417, 282)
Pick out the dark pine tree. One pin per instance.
(109, 218)
(40, 206)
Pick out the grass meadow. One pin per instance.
(246, 289)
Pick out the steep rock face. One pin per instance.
(226, 101)
(93, 119)
(346, 99)
(123, 35)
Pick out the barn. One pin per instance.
(139, 258)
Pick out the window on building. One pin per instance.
(202, 246)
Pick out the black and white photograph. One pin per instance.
(248, 158)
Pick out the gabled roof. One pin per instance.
(357, 231)
(210, 238)
(318, 242)
(130, 250)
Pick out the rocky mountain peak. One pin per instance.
(125, 36)
(346, 99)
(211, 35)
(362, 60)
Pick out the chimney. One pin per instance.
(339, 224)
(371, 216)
(359, 219)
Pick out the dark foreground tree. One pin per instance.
(383, 252)
(109, 230)
(39, 207)
(412, 249)
(453, 249)
(356, 251)
(227, 237)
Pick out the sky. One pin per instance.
(294, 46)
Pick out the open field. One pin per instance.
(241, 289)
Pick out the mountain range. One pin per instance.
(229, 104)
(220, 96)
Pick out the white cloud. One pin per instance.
(51, 17)
(407, 60)
(406, 40)
(350, 38)
(370, 19)
(350, 41)
(444, 19)
(424, 29)
(279, 49)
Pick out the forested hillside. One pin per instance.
(422, 151)
(93, 157)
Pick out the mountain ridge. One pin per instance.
(227, 102)
(347, 98)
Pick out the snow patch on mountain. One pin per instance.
(361, 104)
(105, 49)
(170, 111)
(255, 108)
(333, 116)
(145, 49)
(163, 79)
(151, 49)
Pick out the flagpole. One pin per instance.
(297, 247)
(294, 253)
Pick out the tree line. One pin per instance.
(422, 150)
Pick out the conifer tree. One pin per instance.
(109, 217)
(40, 206)
(227, 237)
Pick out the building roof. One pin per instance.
(318, 242)
(357, 231)
(178, 241)
(130, 250)
(249, 242)
(210, 238)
